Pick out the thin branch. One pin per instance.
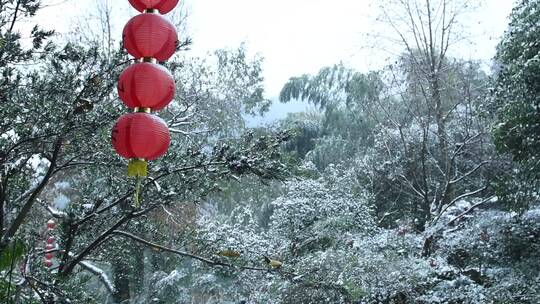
(55, 212)
(152, 180)
(187, 133)
(471, 209)
(68, 268)
(32, 199)
(193, 256)
(464, 195)
(418, 192)
(100, 274)
(457, 180)
(15, 15)
(104, 209)
(178, 252)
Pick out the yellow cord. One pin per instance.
(137, 168)
(137, 197)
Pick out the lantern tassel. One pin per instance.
(137, 168)
(137, 197)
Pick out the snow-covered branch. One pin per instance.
(55, 212)
(472, 208)
(464, 195)
(457, 180)
(100, 273)
(193, 256)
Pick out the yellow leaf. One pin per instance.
(275, 263)
(229, 253)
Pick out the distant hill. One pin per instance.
(278, 110)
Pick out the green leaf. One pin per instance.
(11, 254)
(4, 284)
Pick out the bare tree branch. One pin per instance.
(455, 200)
(100, 273)
(23, 213)
(471, 209)
(196, 257)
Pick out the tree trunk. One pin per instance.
(121, 272)
(138, 270)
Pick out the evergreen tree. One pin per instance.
(58, 104)
(517, 99)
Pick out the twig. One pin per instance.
(196, 257)
(471, 209)
(456, 200)
(100, 273)
(31, 200)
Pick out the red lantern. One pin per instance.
(140, 135)
(51, 224)
(150, 36)
(49, 256)
(146, 85)
(49, 247)
(50, 240)
(47, 263)
(163, 6)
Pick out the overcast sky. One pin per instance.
(294, 36)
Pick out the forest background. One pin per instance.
(412, 182)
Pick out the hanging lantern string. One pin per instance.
(137, 198)
(137, 168)
(151, 39)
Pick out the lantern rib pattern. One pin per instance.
(150, 35)
(141, 135)
(145, 87)
(127, 144)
